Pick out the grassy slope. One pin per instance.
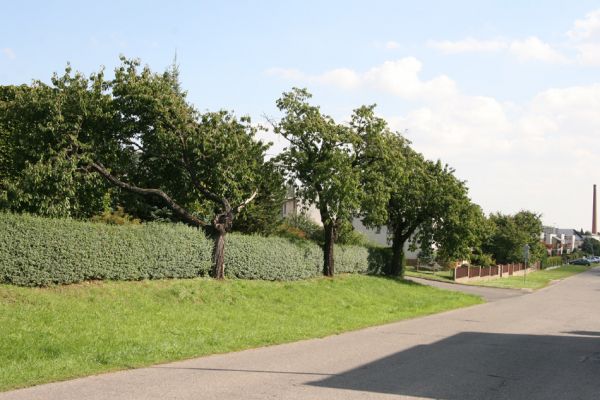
(63, 332)
(534, 280)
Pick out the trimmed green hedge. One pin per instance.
(271, 258)
(552, 261)
(36, 251)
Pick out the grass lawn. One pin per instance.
(534, 280)
(63, 332)
(443, 276)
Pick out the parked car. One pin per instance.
(593, 259)
(580, 261)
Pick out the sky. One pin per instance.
(505, 92)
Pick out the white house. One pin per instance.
(294, 206)
(560, 241)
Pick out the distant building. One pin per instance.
(561, 241)
(382, 237)
(294, 206)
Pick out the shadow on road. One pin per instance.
(474, 365)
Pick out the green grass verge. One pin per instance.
(534, 280)
(63, 332)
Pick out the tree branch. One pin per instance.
(246, 202)
(180, 211)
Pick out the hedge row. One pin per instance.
(36, 251)
(552, 261)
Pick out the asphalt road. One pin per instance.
(543, 345)
(488, 293)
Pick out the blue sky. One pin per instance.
(507, 92)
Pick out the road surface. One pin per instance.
(543, 345)
(488, 293)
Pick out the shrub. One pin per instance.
(552, 261)
(300, 226)
(350, 236)
(482, 260)
(37, 251)
(351, 259)
(116, 217)
(271, 258)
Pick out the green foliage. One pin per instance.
(383, 163)
(138, 131)
(273, 258)
(354, 259)
(263, 214)
(321, 162)
(116, 217)
(313, 230)
(38, 169)
(430, 207)
(37, 251)
(138, 125)
(591, 246)
(349, 236)
(552, 261)
(319, 158)
(40, 251)
(299, 226)
(482, 260)
(509, 235)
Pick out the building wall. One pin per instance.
(380, 236)
(293, 206)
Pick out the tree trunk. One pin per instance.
(328, 259)
(397, 265)
(219, 255)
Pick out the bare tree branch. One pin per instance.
(180, 211)
(246, 202)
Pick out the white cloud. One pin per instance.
(468, 45)
(9, 53)
(533, 49)
(586, 28)
(541, 154)
(400, 77)
(585, 38)
(589, 54)
(513, 156)
(529, 49)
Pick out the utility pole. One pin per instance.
(526, 259)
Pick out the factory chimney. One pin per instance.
(594, 230)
